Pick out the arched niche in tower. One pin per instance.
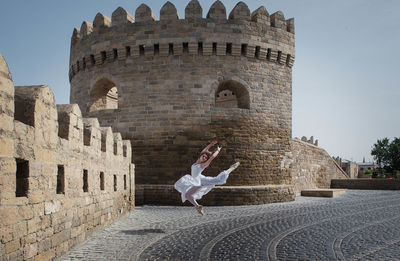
(103, 96)
(232, 94)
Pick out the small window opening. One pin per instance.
(101, 180)
(115, 53)
(269, 54)
(22, 178)
(156, 49)
(229, 48)
(124, 148)
(84, 63)
(124, 182)
(279, 56)
(60, 180)
(78, 66)
(257, 53)
(115, 182)
(92, 60)
(200, 48)
(185, 47)
(103, 56)
(141, 50)
(115, 148)
(86, 136)
(103, 143)
(244, 49)
(288, 59)
(214, 48)
(85, 181)
(171, 49)
(128, 50)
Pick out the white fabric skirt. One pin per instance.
(205, 184)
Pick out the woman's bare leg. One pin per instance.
(189, 196)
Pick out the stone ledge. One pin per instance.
(219, 196)
(328, 193)
(376, 184)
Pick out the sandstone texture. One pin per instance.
(52, 195)
(312, 167)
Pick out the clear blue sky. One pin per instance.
(345, 78)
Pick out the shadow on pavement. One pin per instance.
(143, 231)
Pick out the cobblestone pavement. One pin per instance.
(359, 225)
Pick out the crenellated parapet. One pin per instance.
(56, 166)
(256, 36)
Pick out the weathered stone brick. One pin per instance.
(48, 255)
(9, 215)
(6, 147)
(12, 246)
(30, 251)
(60, 237)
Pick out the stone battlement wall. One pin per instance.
(256, 35)
(312, 167)
(61, 176)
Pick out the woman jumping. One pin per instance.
(196, 185)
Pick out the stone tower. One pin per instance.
(172, 85)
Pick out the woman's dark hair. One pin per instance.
(207, 153)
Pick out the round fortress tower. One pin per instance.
(172, 85)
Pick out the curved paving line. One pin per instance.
(271, 249)
(370, 200)
(206, 251)
(392, 242)
(136, 256)
(338, 240)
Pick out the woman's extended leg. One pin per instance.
(221, 178)
(189, 196)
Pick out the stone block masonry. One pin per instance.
(172, 85)
(312, 167)
(61, 176)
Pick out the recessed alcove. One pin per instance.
(104, 95)
(232, 94)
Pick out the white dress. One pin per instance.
(196, 179)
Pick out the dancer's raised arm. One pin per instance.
(207, 163)
(212, 143)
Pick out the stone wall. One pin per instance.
(312, 167)
(61, 176)
(171, 75)
(218, 196)
(361, 183)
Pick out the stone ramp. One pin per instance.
(327, 193)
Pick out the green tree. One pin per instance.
(387, 154)
(394, 154)
(380, 152)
